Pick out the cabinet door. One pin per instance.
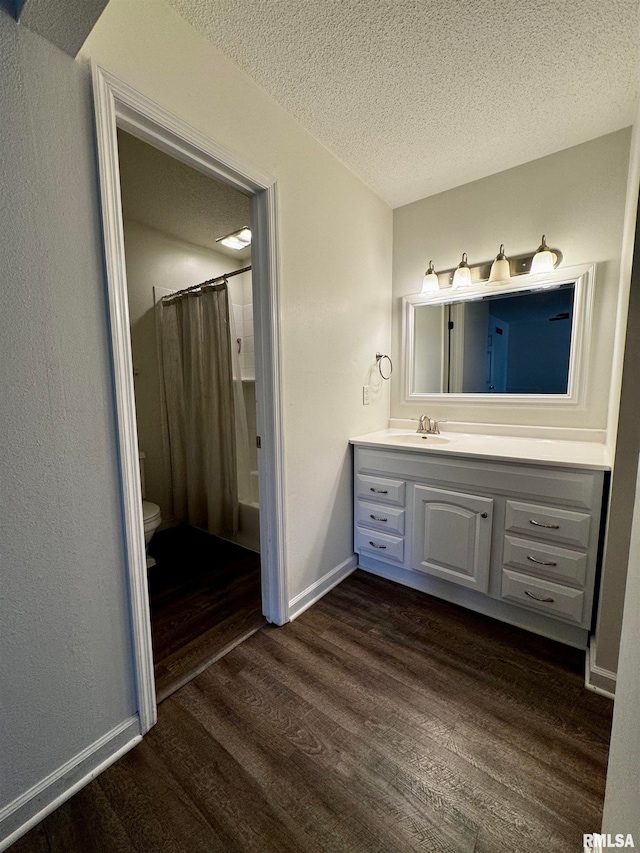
(452, 536)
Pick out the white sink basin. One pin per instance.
(416, 440)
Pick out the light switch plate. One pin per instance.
(365, 395)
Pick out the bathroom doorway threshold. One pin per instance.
(204, 594)
(170, 681)
(119, 106)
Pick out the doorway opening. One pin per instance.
(192, 347)
(122, 110)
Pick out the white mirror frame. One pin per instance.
(584, 279)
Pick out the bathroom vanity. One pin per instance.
(508, 527)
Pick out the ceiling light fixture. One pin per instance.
(430, 281)
(462, 275)
(500, 272)
(239, 239)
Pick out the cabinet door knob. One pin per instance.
(541, 562)
(484, 515)
(535, 597)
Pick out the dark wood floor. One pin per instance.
(380, 720)
(205, 599)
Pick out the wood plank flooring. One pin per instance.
(381, 720)
(205, 598)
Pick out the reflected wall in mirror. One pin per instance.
(513, 343)
(524, 342)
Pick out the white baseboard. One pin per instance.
(321, 587)
(596, 678)
(35, 804)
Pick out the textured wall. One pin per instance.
(621, 812)
(65, 23)
(577, 198)
(623, 484)
(65, 662)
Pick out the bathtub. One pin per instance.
(249, 517)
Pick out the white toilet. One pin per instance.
(150, 514)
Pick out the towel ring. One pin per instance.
(379, 359)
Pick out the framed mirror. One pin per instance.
(525, 342)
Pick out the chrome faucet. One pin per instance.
(428, 426)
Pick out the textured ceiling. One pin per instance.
(418, 96)
(164, 194)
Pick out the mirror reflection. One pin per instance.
(505, 343)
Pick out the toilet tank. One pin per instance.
(142, 456)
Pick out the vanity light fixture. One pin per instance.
(430, 281)
(239, 239)
(544, 259)
(462, 275)
(500, 272)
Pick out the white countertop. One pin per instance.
(502, 448)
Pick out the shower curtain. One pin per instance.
(205, 426)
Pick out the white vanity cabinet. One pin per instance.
(515, 540)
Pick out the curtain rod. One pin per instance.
(207, 282)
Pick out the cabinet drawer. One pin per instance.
(550, 523)
(380, 517)
(550, 561)
(544, 596)
(384, 546)
(381, 489)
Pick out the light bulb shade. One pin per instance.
(500, 271)
(462, 275)
(430, 283)
(543, 260)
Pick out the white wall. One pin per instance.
(621, 502)
(623, 431)
(243, 315)
(429, 325)
(156, 259)
(621, 813)
(335, 247)
(65, 670)
(243, 310)
(577, 198)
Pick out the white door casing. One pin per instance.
(118, 105)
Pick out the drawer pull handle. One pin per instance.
(379, 491)
(548, 526)
(535, 598)
(541, 562)
(378, 518)
(380, 547)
